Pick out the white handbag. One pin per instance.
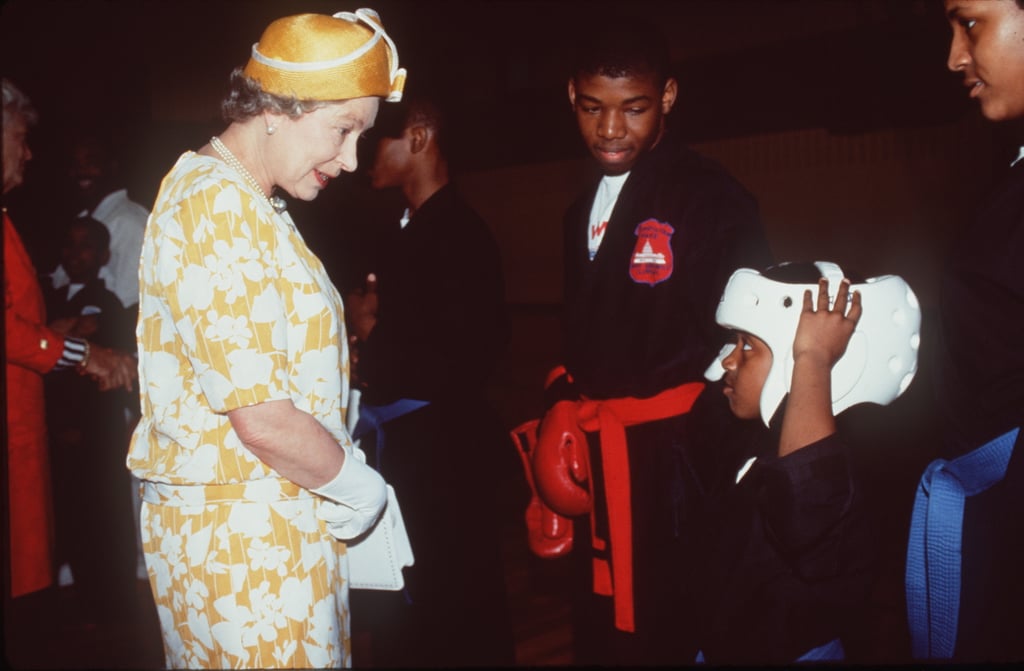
(376, 560)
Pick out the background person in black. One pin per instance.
(648, 250)
(430, 326)
(95, 535)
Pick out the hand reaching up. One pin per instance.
(823, 332)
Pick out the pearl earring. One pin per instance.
(271, 129)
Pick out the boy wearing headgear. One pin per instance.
(786, 551)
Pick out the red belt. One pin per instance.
(610, 417)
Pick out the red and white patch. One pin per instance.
(652, 260)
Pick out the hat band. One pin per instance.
(290, 66)
(364, 16)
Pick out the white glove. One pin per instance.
(355, 498)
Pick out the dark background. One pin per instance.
(155, 71)
(839, 115)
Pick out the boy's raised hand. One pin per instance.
(823, 333)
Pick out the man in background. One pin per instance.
(427, 331)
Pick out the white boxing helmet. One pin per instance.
(880, 360)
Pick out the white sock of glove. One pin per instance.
(355, 499)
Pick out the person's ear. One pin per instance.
(104, 257)
(572, 92)
(668, 95)
(272, 121)
(419, 136)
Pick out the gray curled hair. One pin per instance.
(246, 99)
(16, 102)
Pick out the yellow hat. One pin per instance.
(321, 57)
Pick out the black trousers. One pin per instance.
(443, 462)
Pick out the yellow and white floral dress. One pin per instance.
(235, 310)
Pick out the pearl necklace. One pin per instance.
(276, 202)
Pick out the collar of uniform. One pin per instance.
(1020, 156)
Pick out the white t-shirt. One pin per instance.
(604, 202)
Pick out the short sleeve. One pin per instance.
(222, 291)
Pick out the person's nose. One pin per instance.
(347, 156)
(611, 125)
(959, 54)
(731, 360)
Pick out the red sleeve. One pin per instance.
(32, 346)
(29, 343)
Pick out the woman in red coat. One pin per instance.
(33, 349)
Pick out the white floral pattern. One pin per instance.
(235, 310)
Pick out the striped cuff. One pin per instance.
(75, 352)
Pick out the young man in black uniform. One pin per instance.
(648, 250)
(979, 371)
(429, 328)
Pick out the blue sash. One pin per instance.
(936, 533)
(373, 417)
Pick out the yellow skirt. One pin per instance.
(245, 577)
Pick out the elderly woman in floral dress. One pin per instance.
(249, 476)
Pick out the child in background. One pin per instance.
(89, 440)
(787, 556)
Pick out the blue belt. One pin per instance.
(933, 551)
(373, 417)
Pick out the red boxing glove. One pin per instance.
(561, 468)
(548, 534)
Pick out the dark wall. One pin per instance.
(155, 71)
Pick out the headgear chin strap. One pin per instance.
(320, 57)
(880, 360)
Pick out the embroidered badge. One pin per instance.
(652, 256)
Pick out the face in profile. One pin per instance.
(988, 49)
(390, 161)
(307, 152)
(746, 369)
(620, 118)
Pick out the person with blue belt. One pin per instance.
(786, 548)
(429, 326)
(966, 544)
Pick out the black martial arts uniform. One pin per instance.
(786, 553)
(639, 320)
(440, 330)
(979, 385)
